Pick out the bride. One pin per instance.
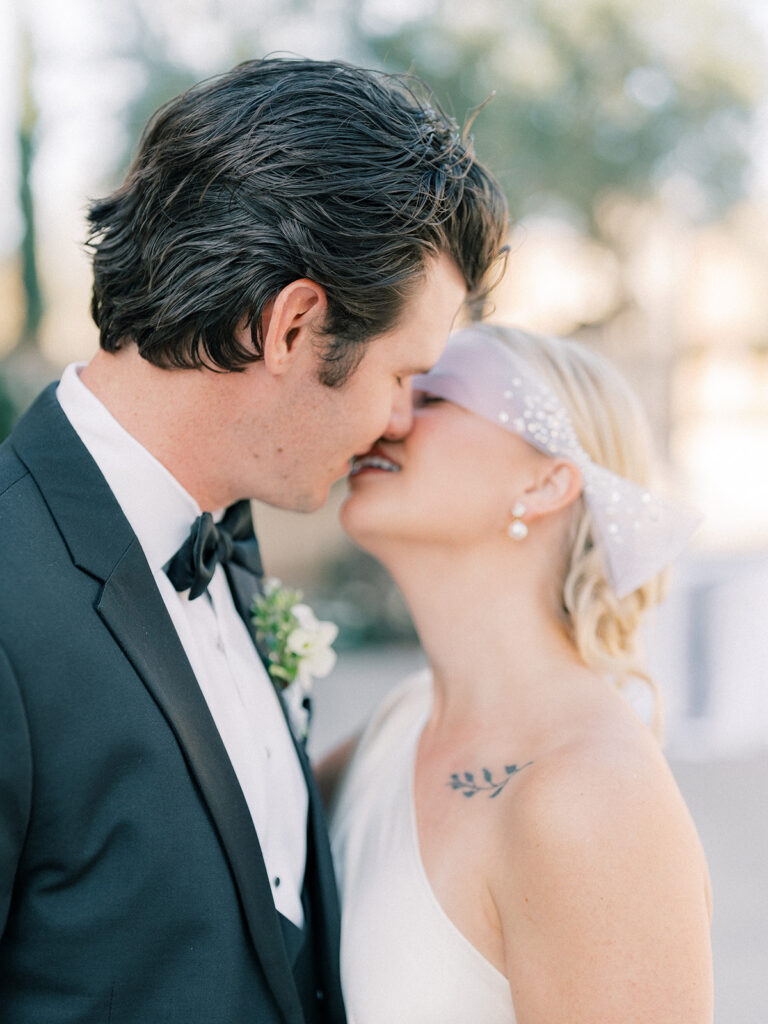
(510, 843)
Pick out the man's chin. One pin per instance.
(309, 499)
(311, 504)
(306, 502)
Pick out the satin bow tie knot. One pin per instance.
(209, 544)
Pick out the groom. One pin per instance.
(290, 245)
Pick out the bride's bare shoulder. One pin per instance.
(605, 780)
(598, 825)
(599, 870)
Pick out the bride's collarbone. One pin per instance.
(465, 797)
(459, 837)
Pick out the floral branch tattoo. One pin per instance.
(466, 781)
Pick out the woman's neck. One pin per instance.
(488, 627)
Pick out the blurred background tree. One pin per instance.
(591, 96)
(33, 297)
(7, 411)
(21, 373)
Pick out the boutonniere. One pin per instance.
(298, 645)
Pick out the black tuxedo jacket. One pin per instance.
(132, 885)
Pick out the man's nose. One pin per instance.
(401, 416)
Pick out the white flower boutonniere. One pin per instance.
(311, 641)
(299, 645)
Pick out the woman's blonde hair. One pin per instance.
(614, 431)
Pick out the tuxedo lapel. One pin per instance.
(102, 544)
(320, 873)
(323, 893)
(159, 658)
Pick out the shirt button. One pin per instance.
(219, 644)
(276, 881)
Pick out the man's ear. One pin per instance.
(295, 314)
(558, 485)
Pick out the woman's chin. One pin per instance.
(354, 520)
(365, 524)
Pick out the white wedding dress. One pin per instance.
(403, 961)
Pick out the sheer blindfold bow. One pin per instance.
(209, 544)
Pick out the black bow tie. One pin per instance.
(209, 543)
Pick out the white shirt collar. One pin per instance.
(159, 510)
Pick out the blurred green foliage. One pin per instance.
(592, 96)
(8, 411)
(29, 274)
(26, 143)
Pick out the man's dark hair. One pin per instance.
(278, 170)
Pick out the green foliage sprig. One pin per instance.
(298, 645)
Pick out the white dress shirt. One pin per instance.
(231, 676)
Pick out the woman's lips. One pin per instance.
(373, 461)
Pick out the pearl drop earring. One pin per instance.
(517, 529)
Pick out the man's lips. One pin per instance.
(374, 460)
